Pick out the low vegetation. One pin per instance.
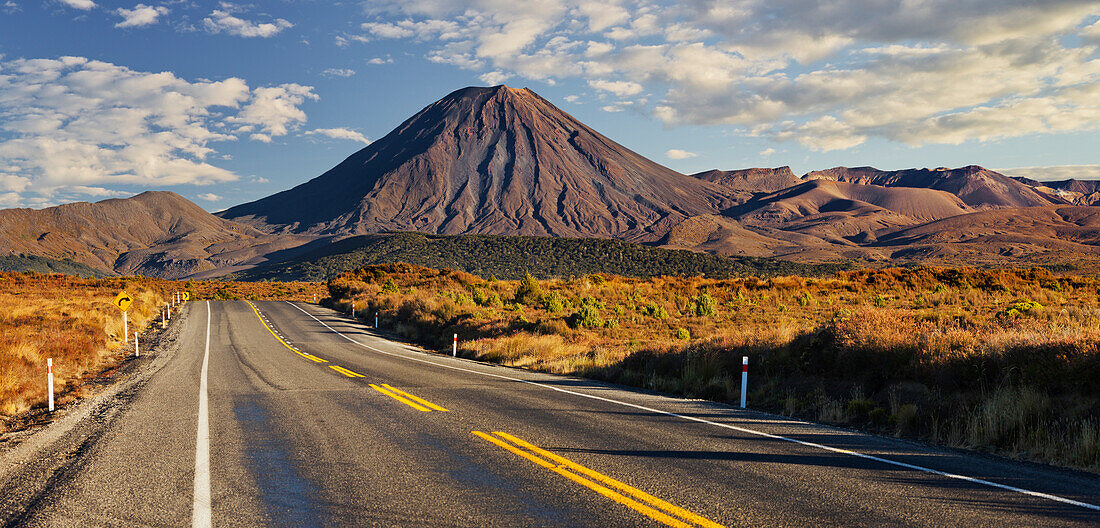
(1004, 361)
(74, 321)
(39, 264)
(509, 257)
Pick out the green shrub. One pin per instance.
(529, 292)
(880, 300)
(653, 310)
(703, 305)
(683, 334)
(389, 286)
(554, 303)
(587, 317)
(1020, 308)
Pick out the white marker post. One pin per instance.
(454, 347)
(353, 311)
(163, 320)
(125, 328)
(376, 320)
(49, 380)
(136, 353)
(744, 379)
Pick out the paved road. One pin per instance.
(283, 414)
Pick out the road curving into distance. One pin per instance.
(289, 414)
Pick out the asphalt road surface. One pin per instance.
(281, 414)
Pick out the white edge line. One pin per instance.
(727, 426)
(200, 508)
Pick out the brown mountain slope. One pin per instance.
(816, 220)
(491, 161)
(1049, 234)
(1076, 192)
(155, 233)
(976, 186)
(754, 180)
(840, 209)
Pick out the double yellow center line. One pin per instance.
(633, 498)
(310, 357)
(413, 401)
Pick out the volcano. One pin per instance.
(491, 161)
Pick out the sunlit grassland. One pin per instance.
(69, 319)
(1004, 361)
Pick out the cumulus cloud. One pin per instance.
(1052, 173)
(494, 78)
(72, 125)
(140, 15)
(338, 72)
(620, 88)
(273, 110)
(223, 20)
(380, 60)
(210, 197)
(79, 4)
(678, 154)
(829, 74)
(339, 133)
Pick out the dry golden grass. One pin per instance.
(1004, 360)
(75, 322)
(71, 320)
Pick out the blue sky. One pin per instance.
(228, 102)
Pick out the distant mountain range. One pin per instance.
(504, 161)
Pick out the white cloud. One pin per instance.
(767, 152)
(210, 197)
(10, 7)
(73, 124)
(95, 192)
(678, 154)
(140, 15)
(339, 133)
(619, 88)
(79, 4)
(1055, 172)
(380, 60)
(572, 98)
(338, 72)
(935, 71)
(493, 78)
(274, 110)
(223, 20)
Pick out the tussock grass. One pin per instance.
(1004, 361)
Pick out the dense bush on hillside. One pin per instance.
(510, 257)
(1006, 361)
(47, 265)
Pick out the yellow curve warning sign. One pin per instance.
(123, 301)
(186, 296)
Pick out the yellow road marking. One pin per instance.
(671, 508)
(515, 450)
(310, 357)
(416, 399)
(563, 467)
(346, 372)
(400, 398)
